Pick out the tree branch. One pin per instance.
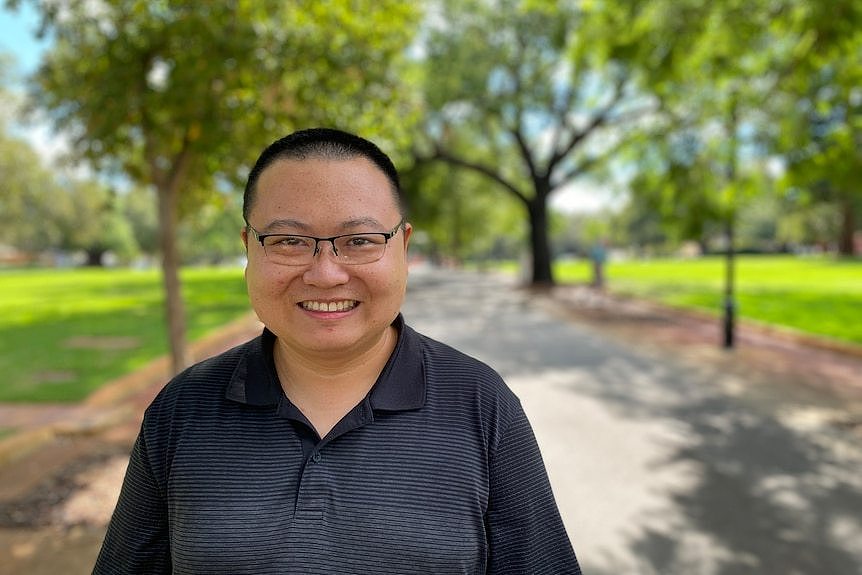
(579, 135)
(580, 169)
(525, 153)
(487, 171)
(587, 165)
(560, 113)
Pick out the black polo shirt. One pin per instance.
(435, 471)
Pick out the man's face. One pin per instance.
(323, 198)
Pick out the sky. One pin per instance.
(18, 39)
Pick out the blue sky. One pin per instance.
(18, 39)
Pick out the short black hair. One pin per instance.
(321, 143)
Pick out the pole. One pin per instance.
(729, 282)
(730, 221)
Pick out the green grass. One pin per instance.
(64, 333)
(44, 314)
(820, 296)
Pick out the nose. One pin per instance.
(325, 270)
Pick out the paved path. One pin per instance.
(662, 463)
(666, 457)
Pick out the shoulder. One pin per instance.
(443, 361)
(202, 383)
(463, 382)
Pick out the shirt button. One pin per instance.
(316, 457)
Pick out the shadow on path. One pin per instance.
(747, 477)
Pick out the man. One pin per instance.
(340, 440)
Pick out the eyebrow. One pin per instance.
(351, 224)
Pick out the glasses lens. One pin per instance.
(289, 250)
(349, 249)
(360, 248)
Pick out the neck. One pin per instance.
(326, 388)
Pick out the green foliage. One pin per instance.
(508, 101)
(459, 216)
(89, 218)
(181, 96)
(44, 210)
(212, 236)
(26, 199)
(821, 137)
(141, 83)
(576, 234)
(699, 162)
(817, 113)
(139, 210)
(64, 333)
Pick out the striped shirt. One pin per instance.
(436, 471)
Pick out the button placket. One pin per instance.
(310, 498)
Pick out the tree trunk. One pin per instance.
(848, 227)
(541, 248)
(174, 308)
(95, 258)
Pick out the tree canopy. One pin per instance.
(178, 96)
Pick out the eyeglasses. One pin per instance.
(351, 249)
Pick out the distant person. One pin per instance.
(599, 256)
(339, 440)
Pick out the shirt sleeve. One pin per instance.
(137, 539)
(525, 531)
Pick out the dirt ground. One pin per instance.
(56, 500)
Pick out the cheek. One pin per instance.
(264, 282)
(391, 286)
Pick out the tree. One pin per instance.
(519, 82)
(459, 219)
(820, 108)
(676, 179)
(713, 66)
(29, 191)
(89, 218)
(179, 95)
(212, 237)
(43, 208)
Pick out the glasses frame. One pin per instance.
(386, 237)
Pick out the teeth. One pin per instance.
(329, 306)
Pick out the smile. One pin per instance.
(345, 305)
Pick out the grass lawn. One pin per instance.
(820, 296)
(64, 333)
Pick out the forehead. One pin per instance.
(321, 178)
(322, 196)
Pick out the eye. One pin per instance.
(359, 241)
(287, 242)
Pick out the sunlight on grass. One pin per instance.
(61, 330)
(821, 296)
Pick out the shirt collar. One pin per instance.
(400, 386)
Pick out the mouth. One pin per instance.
(329, 306)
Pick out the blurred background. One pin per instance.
(701, 154)
(549, 139)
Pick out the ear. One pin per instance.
(244, 235)
(408, 230)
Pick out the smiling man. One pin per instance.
(340, 440)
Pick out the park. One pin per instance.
(645, 216)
